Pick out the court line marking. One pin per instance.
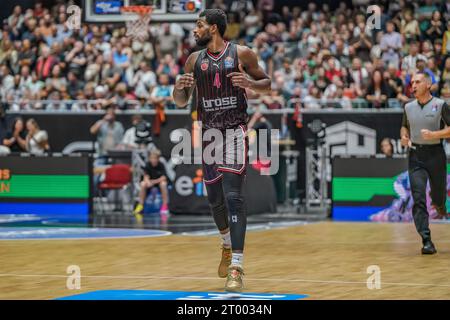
(215, 278)
(160, 233)
(250, 227)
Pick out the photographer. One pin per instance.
(138, 135)
(109, 132)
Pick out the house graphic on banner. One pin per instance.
(349, 138)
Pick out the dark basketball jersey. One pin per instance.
(220, 105)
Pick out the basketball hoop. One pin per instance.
(138, 29)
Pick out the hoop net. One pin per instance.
(138, 29)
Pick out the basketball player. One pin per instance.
(220, 73)
(426, 157)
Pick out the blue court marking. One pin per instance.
(347, 213)
(64, 212)
(178, 295)
(43, 233)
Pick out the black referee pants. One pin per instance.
(427, 162)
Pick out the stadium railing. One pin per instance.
(135, 106)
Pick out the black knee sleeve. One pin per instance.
(217, 204)
(220, 215)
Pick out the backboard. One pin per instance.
(108, 11)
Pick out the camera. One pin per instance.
(143, 133)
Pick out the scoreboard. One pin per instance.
(51, 188)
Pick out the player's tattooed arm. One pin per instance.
(185, 84)
(251, 75)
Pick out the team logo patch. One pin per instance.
(229, 62)
(434, 108)
(205, 64)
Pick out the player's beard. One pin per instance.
(203, 41)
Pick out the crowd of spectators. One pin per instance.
(320, 56)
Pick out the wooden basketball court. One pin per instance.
(324, 260)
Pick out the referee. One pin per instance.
(426, 159)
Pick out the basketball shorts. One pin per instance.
(233, 148)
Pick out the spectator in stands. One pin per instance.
(36, 139)
(378, 91)
(109, 133)
(427, 49)
(111, 73)
(74, 85)
(25, 77)
(45, 63)
(312, 100)
(144, 81)
(391, 43)
(438, 56)
(56, 81)
(252, 24)
(395, 83)
(273, 101)
(219, 4)
(340, 51)
(168, 66)
(162, 93)
(76, 59)
(38, 9)
(359, 76)
(121, 97)
(436, 27)
(433, 67)
(233, 27)
(6, 52)
(121, 56)
(167, 43)
(362, 44)
(35, 88)
(409, 62)
(27, 55)
(446, 40)
(29, 30)
(410, 26)
(95, 70)
(102, 102)
(242, 8)
(15, 139)
(387, 148)
(445, 79)
(16, 18)
(154, 176)
(55, 103)
(332, 69)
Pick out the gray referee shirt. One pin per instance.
(433, 115)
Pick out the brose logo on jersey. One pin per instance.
(219, 103)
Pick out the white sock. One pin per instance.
(226, 239)
(237, 259)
